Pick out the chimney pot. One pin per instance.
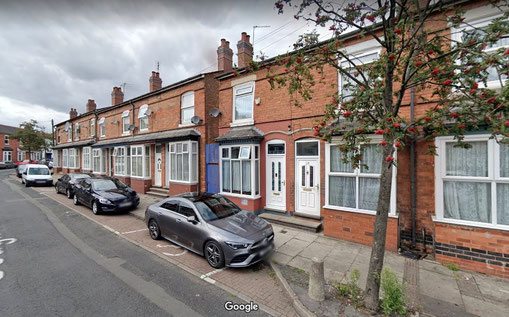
(155, 82)
(117, 96)
(91, 106)
(224, 56)
(244, 50)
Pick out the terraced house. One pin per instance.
(265, 156)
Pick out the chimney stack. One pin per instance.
(244, 50)
(155, 82)
(224, 56)
(73, 113)
(91, 106)
(117, 96)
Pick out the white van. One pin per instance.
(37, 174)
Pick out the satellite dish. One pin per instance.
(214, 113)
(131, 127)
(195, 120)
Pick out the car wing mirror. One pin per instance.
(192, 219)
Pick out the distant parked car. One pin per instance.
(212, 226)
(36, 174)
(105, 195)
(7, 165)
(20, 169)
(66, 183)
(26, 162)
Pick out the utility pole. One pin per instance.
(53, 131)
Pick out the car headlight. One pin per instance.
(104, 201)
(237, 245)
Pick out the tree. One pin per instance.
(31, 137)
(419, 56)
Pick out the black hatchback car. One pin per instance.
(66, 183)
(105, 195)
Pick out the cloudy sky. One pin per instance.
(56, 54)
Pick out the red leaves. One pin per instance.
(396, 125)
(455, 115)
(360, 130)
(411, 130)
(392, 57)
(427, 119)
(492, 100)
(389, 159)
(506, 52)
(475, 86)
(397, 144)
(347, 113)
(435, 71)
(370, 18)
(383, 143)
(379, 131)
(418, 63)
(234, 73)
(507, 123)
(298, 60)
(398, 31)
(332, 28)
(447, 82)
(316, 133)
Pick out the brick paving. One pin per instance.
(260, 286)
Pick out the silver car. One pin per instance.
(212, 226)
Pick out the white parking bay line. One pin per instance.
(127, 232)
(206, 277)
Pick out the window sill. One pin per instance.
(143, 130)
(186, 125)
(141, 178)
(357, 211)
(470, 223)
(126, 133)
(183, 182)
(241, 123)
(241, 196)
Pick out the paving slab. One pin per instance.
(316, 250)
(440, 287)
(481, 307)
(281, 258)
(304, 236)
(493, 287)
(435, 267)
(293, 247)
(301, 263)
(327, 240)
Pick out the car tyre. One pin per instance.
(214, 254)
(95, 208)
(26, 184)
(153, 229)
(56, 189)
(68, 193)
(75, 200)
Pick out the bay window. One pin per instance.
(187, 107)
(7, 156)
(21, 155)
(472, 185)
(64, 158)
(120, 155)
(240, 170)
(140, 161)
(243, 100)
(73, 159)
(86, 154)
(56, 158)
(98, 161)
(183, 161)
(355, 189)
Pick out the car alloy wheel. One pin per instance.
(68, 193)
(214, 254)
(56, 189)
(95, 208)
(153, 229)
(75, 200)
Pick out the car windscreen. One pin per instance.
(79, 176)
(38, 171)
(119, 183)
(213, 208)
(22, 168)
(103, 184)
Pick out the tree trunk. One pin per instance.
(376, 262)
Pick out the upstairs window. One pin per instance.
(69, 133)
(76, 131)
(92, 127)
(243, 100)
(125, 122)
(187, 107)
(102, 127)
(143, 117)
(346, 84)
(6, 140)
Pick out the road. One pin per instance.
(55, 262)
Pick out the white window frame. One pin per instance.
(125, 117)
(493, 178)
(145, 157)
(102, 166)
(476, 23)
(86, 154)
(21, 155)
(357, 174)
(102, 127)
(92, 127)
(7, 156)
(69, 133)
(56, 158)
(143, 118)
(76, 131)
(255, 162)
(354, 57)
(6, 140)
(65, 157)
(246, 121)
(187, 106)
(120, 153)
(74, 158)
(192, 151)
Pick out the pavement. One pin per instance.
(432, 287)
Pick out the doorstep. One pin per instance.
(293, 221)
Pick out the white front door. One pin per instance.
(308, 188)
(276, 178)
(158, 165)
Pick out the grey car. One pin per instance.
(212, 226)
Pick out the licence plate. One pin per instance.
(40, 182)
(122, 205)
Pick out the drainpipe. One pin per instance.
(412, 167)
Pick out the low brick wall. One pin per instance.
(357, 227)
(141, 185)
(247, 204)
(477, 249)
(177, 188)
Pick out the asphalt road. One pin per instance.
(54, 262)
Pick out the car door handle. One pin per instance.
(178, 220)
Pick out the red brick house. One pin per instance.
(8, 146)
